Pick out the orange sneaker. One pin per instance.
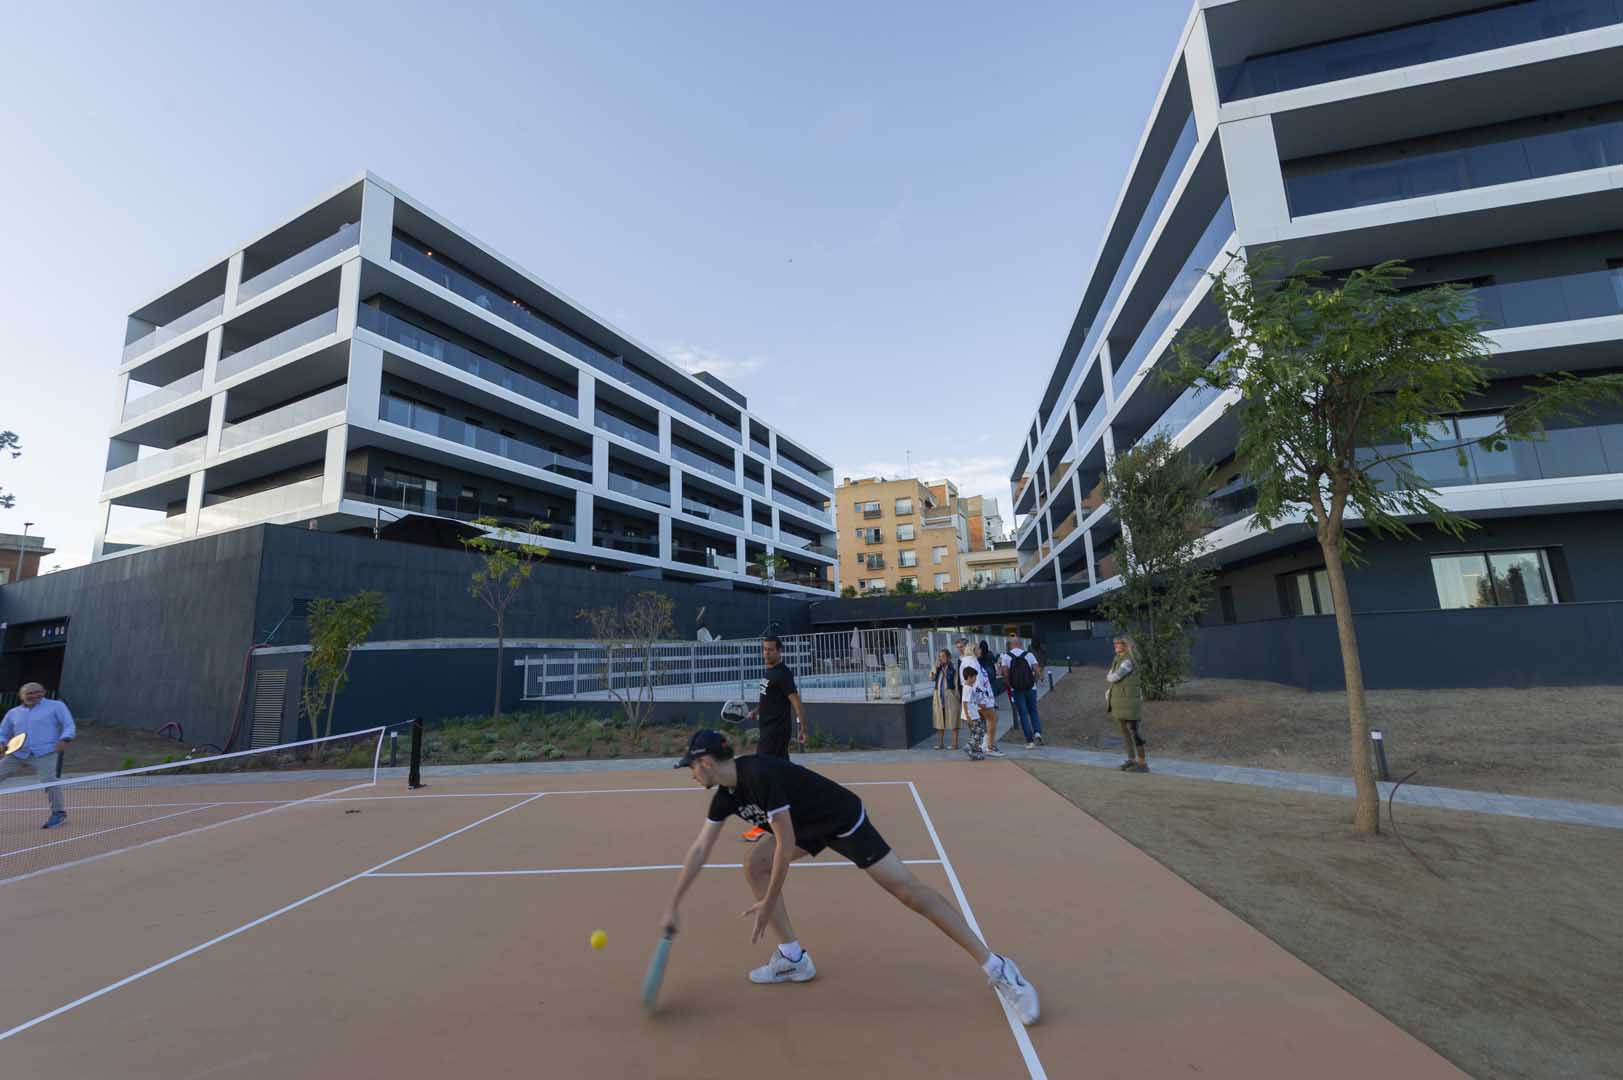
(753, 833)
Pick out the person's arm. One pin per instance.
(783, 853)
(6, 729)
(1124, 669)
(69, 731)
(800, 717)
(697, 854)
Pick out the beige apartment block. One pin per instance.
(989, 568)
(896, 530)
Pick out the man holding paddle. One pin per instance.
(40, 729)
(807, 812)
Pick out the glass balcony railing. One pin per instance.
(1021, 485)
(761, 528)
(634, 545)
(163, 395)
(416, 498)
(754, 486)
(1104, 568)
(1575, 150)
(303, 495)
(295, 337)
(761, 449)
(1066, 527)
(1233, 502)
(174, 328)
(794, 468)
(706, 557)
(816, 513)
(1591, 295)
(427, 421)
(1188, 279)
(713, 514)
(637, 489)
(627, 430)
(147, 534)
(704, 464)
(1588, 450)
(346, 237)
(801, 543)
(463, 359)
(289, 416)
(1029, 561)
(179, 457)
(1436, 39)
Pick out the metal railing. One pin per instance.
(288, 416)
(347, 236)
(172, 329)
(163, 395)
(187, 453)
(794, 467)
(294, 337)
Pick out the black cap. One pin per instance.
(705, 742)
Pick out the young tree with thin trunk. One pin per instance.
(1159, 496)
(630, 637)
(767, 567)
(1342, 382)
(335, 628)
(506, 559)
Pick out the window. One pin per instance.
(1493, 579)
(868, 510)
(1007, 576)
(871, 536)
(909, 558)
(904, 506)
(874, 562)
(942, 581)
(1307, 593)
(938, 555)
(875, 585)
(904, 532)
(911, 581)
(1225, 601)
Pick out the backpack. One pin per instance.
(1020, 677)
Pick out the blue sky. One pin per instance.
(875, 221)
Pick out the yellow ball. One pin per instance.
(599, 939)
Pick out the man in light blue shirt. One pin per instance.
(49, 728)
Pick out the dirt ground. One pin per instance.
(1506, 963)
(105, 748)
(1556, 742)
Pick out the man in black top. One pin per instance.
(806, 813)
(779, 696)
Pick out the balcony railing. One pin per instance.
(636, 488)
(626, 430)
(158, 531)
(408, 414)
(760, 448)
(164, 395)
(754, 486)
(463, 359)
(816, 513)
(1234, 501)
(706, 557)
(418, 499)
(303, 495)
(761, 528)
(174, 328)
(187, 453)
(800, 543)
(295, 337)
(635, 545)
(796, 469)
(311, 408)
(694, 508)
(704, 464)
(1589, 450)
(347, 236)
(1589, 295)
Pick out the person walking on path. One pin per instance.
(945, 704)
(979, 708)
(969, 658)
(48, 728)
(779, 697)
(1021, 670)
(1125, 700)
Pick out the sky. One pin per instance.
(876, 221)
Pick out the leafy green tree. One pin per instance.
(506, 559)
(906, 587)
(335, 627)
(1159, 496)
(1327, 370)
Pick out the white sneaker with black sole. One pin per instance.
(1016, 992)
(781, 969)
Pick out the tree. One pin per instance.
(766, 566)
(630, 637)
(1159, 496)
(1341, 383)
(906, 587)
(505, 562)
(9, 442)
(336, 627)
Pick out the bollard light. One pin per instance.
(1379, 742)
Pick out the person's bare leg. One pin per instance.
(759, 872)
(895, 878)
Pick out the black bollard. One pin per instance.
(414, 779)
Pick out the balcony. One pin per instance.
(801, 543)
(693, 555)
(164, 395)
(1066, 527)
(290, 498)
(706, 465)
(480, 367)
(312, 329)
(326, 403)
(1029, 561)
(1234, 501)
(1418, 175)
(794, 468)
(650, 493)
(713, 514)
(761, 528)
(1437, 39)
(396, 496)
(1591, 295)
(633, 545)
(161, 531)
(816, 513)
(174, 328)
(1589, 450)
(406, 414)
(179, 457)
(754, 486)
(1020, 488)
(626, 430)
(872, 513)
(1104, 567)
(347, 236)
(760, 449)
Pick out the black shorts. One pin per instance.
(774, 741)
(864, 846)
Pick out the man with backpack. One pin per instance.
(1021, 670)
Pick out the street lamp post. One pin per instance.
(22, 549)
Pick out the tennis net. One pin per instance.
(110, 813)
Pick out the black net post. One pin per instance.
(414, 779)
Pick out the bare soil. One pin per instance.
(1555, 742)
(106, 748)
(1503, 956)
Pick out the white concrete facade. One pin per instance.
(1482, 143)
(366, 362)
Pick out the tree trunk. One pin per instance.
(496, 706)
(1367, 816)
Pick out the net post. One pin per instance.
(414, 779)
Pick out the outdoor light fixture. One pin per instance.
(1379, 740)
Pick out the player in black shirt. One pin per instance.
(806, 813)
(779, 695)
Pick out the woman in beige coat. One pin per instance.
(945, 700)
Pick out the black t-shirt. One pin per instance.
(773, 710)
(817, 806)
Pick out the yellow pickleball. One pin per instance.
(599, 939)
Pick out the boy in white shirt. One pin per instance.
(979, 707)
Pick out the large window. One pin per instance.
(868, 509)
(909, 558)
(1307, 592)
(871, 536)
(1493, 579)
(942, 581)
(938, 555)
(904, 507)
(904, 532)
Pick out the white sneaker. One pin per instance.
(781, 969)
(996, 753)
(1030, 745)
(1016, 992)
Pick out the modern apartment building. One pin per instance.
(901, 530)
(1481, 142)
(367, 365)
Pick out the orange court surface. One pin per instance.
(443, 932)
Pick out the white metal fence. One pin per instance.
(852, 665)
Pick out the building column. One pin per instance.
(664, 434)
(1107, 372)
(212, 347)
(98, 542)
(665, 538)
(377, 223)
(586, 394)
(349, 296)
(233, 279)
(332, 475)
(211, 443)
(194, 500)
(583, 518)
(1202, 72)
(1087, 545)
(1256, 182)
(365, 393)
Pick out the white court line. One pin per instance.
(616, 869)
(1034, 1066)
(245, 927)
(102, 832)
